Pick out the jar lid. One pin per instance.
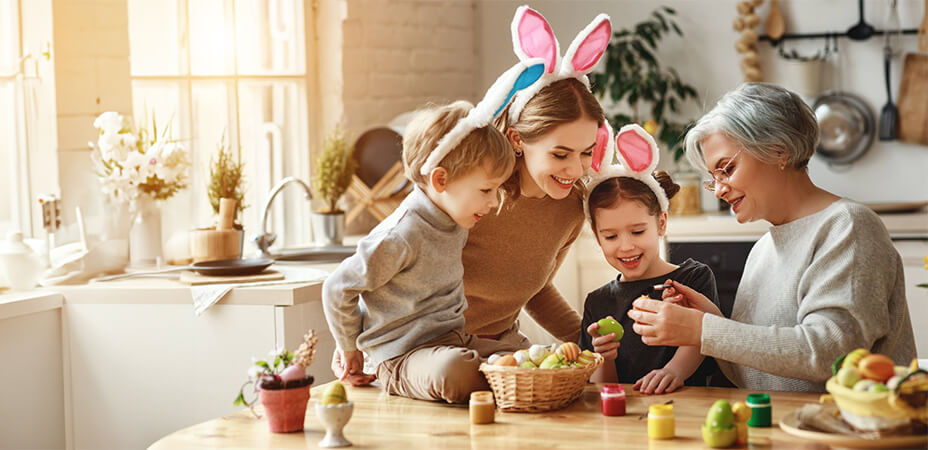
(758, 399)
(612, 388)
(482, 396)
(14, 245)
(660, 410)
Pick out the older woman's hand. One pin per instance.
(664, 323)
(603, 344)
(684, 295)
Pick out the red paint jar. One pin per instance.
(613, 400)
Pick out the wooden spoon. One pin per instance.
(775, 25)
(923, 32)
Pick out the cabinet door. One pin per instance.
(913, 252)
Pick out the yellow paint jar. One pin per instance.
(661, 422)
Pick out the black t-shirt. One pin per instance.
(635, 359)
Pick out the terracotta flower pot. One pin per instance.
(285, 408)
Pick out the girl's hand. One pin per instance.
(603, 344)
(659, 381)
(664, 323)
(684, 295)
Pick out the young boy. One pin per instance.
(400, 298)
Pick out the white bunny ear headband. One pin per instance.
(532, 38)
(520, 76)
(638, 155)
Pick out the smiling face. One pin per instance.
(752, 185)
(553, 163)
(472, 195)
(629, 237)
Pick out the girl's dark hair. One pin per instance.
(609, 192)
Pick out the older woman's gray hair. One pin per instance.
(766, 120)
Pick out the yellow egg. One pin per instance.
(335, 394)
(650, 126)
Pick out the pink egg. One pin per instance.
(293, 373)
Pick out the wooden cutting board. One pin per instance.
(913, 100)
(195, 279)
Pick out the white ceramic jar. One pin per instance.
(19, 264)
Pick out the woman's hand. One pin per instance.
(664, 323)
(349, 366)
(684, 295)
(603, 344)
(659, 381)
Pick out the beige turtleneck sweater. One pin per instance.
(510, 261)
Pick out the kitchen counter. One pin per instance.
(383, 421)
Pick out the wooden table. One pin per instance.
(383, 421)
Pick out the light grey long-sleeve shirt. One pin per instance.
(404, 285)
(812, 290)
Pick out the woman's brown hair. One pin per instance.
(561, 102)
(608, 193)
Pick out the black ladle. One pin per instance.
(862, 31)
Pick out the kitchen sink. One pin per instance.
(332, 253)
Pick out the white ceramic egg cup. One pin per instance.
(334, 418)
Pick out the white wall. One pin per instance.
(32, 382)
(706, 59)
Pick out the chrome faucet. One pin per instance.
(266, 239)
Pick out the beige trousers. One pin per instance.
(446, 368)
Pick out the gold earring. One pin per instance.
(518, 153)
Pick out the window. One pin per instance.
(228, 67)
(13, 200)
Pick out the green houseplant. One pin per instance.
(333, 168)
(226, 180)
(632, 74)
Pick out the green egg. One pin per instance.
(608, 325)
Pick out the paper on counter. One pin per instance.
(208, 295)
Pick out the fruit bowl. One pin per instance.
(870, 411)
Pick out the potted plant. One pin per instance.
(282, 385)
(333, 169)
(634, 75)
(227, 180)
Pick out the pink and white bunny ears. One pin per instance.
(520, 76)
(638, 156)
(532, 38)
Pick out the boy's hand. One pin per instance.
(603, 344)
(349, 366)
(659, 381)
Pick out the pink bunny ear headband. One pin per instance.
(638, 155)
(532, 38)
(520, 76)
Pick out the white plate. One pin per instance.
(790, 424)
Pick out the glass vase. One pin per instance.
(117, 222)
(145, 236)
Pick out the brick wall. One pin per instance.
(399, 55)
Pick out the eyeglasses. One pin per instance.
(720, 175)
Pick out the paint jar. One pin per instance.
(613, 400)
(660, 422)
(482, 407)
(760, 410)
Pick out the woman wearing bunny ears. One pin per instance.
(627, 207)
(824, 280)
(553, 125)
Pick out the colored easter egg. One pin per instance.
(506, 360)
(586, 357)
(528, 365)
(522, 356)
(854, 357)
(876, 367)
(848, 376)
(569, 350)
(607, 325)
(293, 373)
(334, 394)
(553, 361)
(538, 353)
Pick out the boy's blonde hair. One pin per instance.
(485, 145)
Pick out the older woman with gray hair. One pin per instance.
(824, 280)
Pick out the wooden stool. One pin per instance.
(379, 184)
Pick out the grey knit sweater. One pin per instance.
(404, 285)
(812, 290)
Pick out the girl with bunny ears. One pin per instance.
(627, 207)
(553, 126)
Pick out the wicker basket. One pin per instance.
(519, 389)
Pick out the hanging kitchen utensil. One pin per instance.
(845, 122)
(923, 32)
(913, 100)
(379, 184)
(775, 25)
(862, 30)
(889, 115)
